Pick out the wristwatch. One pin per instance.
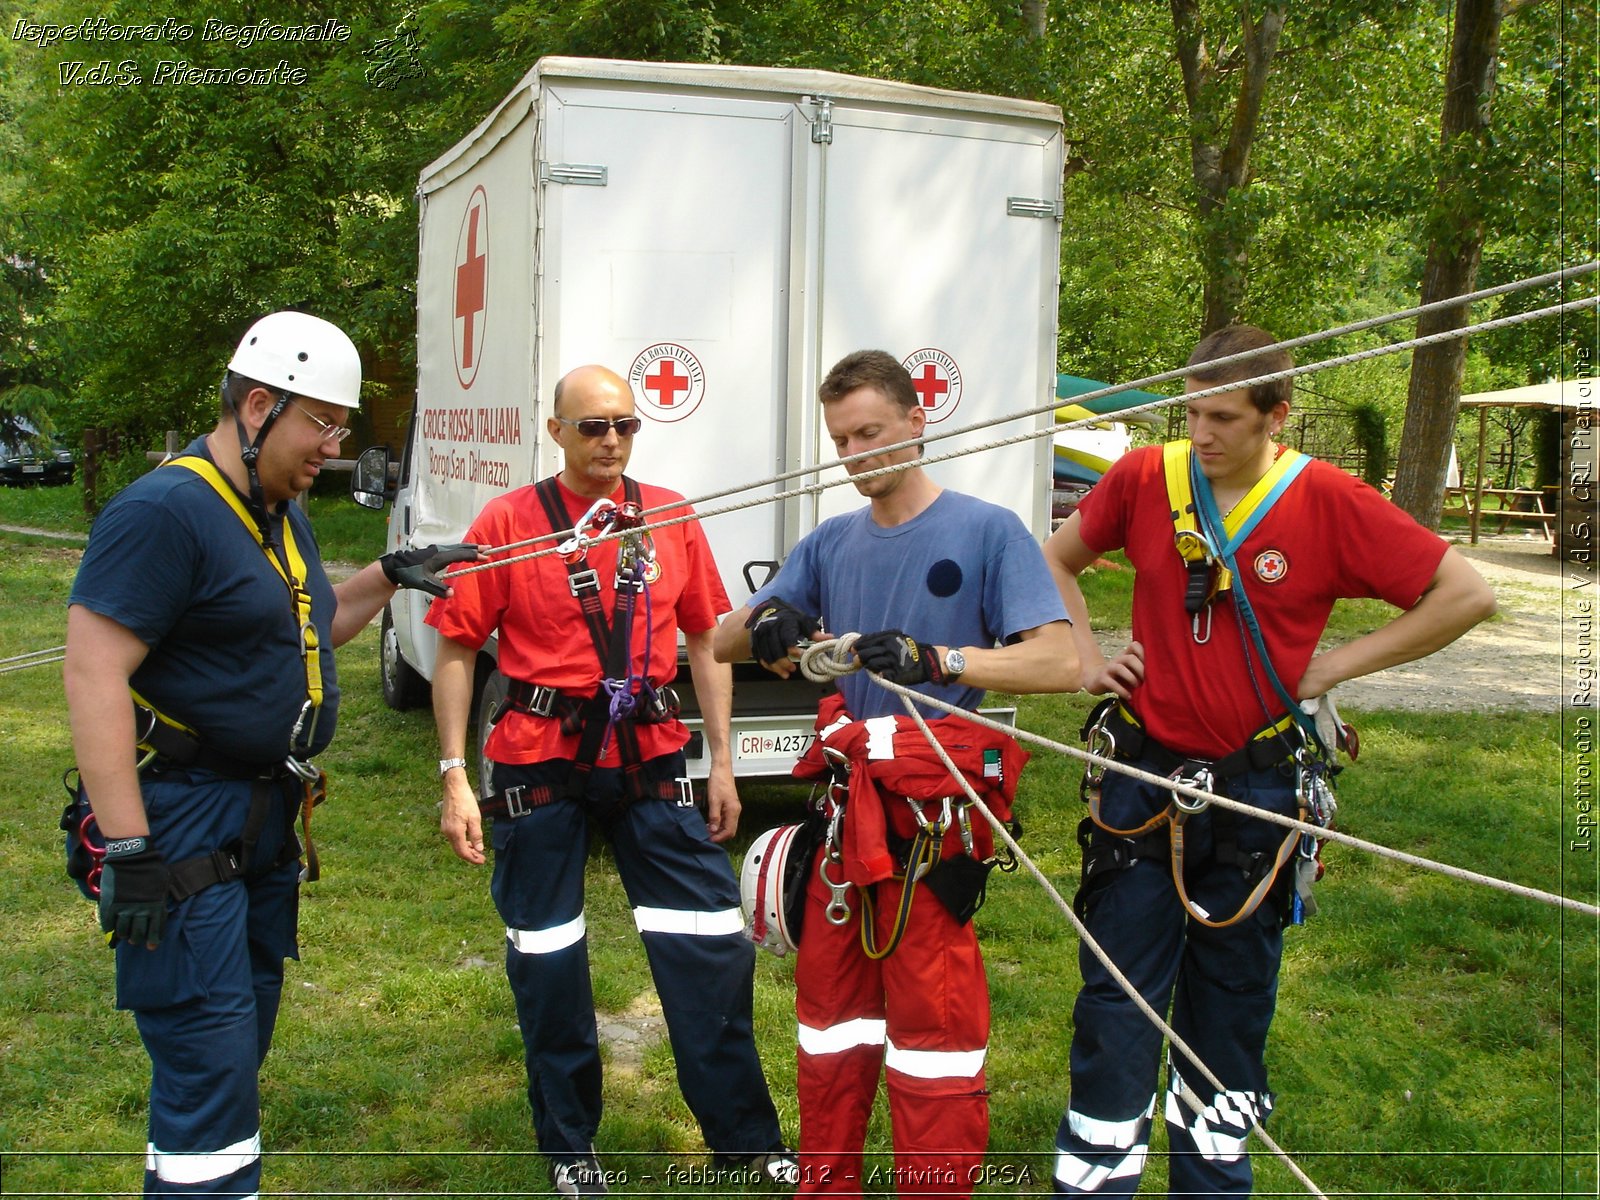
(445, 765)
(955, 662)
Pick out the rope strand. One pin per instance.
(1095, 948)
(1048, 431)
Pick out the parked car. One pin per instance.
(30, 458)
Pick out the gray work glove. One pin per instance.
(1332, 732)
(419, 567)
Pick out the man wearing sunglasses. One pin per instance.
(590, 734)
(201, 629)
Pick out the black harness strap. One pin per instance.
(610, 646)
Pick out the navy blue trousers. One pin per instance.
(686, 908)
(206, 999)
(1220, 986)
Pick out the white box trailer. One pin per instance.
(721, 236)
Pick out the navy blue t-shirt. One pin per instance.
(170, 560)
(963, 572)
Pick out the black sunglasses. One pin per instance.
(595, 427)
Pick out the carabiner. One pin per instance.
(587, 529)
(926, 825)
(837, 912)
(1201, 779)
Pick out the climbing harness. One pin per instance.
(164, 744)
(624, 697)
(290, 565)
(1113, 732)
(1208, 560)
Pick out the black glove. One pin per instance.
(133, 891)
(898, 657)
(419, 567)
(777, 625)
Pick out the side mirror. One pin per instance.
(369, 483)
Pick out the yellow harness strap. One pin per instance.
(1175, 463)
(292, 573)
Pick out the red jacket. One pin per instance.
(890, 758)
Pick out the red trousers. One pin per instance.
(921, 1014)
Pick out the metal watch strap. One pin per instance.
(445, 764)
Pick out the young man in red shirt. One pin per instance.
(1196, 700)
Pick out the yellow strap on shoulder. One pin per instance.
(293, 577)
(1180, 497)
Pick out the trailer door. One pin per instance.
(941, 247)
(666, 258)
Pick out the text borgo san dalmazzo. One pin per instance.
(490, 426)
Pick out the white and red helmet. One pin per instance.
(768, 863)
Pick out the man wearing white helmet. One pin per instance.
(200, 630)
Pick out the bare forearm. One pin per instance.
(731, 641)
(101, 656)
(713, 687)
(1044, 660)
(359, 599)
(1456, 600)
(452, 696)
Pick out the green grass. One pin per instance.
(346, 532)
(1432, 1037)
(59, 508)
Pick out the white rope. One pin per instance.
(34, 658)
(1186, 1095)
(1029, 435)
(1185, 789)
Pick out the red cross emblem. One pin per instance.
(665, 382)
(668, 381)
(929, 386)
(1271, 566)
(472, 286)
(937, 381)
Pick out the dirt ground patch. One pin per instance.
(1510, 661)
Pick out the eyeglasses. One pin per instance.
(330, 433)
(595, 427)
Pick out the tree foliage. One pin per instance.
(1225, 158)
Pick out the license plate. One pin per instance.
(760, 743)
(36, 469)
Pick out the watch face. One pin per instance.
(955, 662)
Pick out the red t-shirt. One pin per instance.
(544, 638)
(1328, 536)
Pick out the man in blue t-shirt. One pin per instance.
(957, 599)
(201, 629)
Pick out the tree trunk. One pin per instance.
(1034, 15)
(1455, 245)
(1222, 127)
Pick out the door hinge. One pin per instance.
(579, 174)
(822, 120)
(1023, 206)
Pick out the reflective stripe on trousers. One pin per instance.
(191, 1167)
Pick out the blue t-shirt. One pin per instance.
(169, 560)
(963, 572)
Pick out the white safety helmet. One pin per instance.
(767, 864)
(302, 354)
